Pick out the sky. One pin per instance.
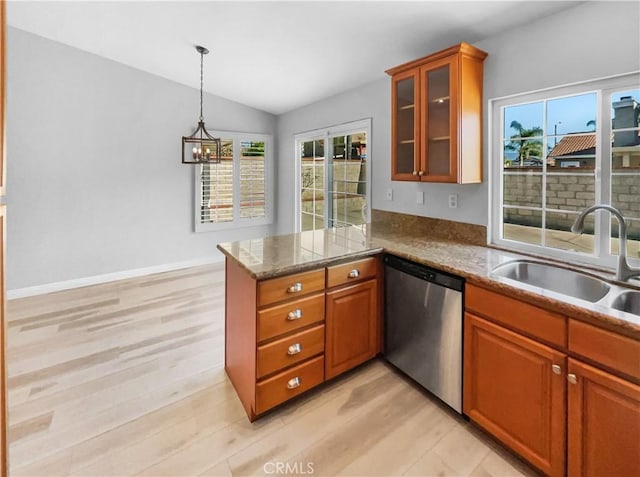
(564, 115)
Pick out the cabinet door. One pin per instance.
(439, 109)
(351, 327)
(515, 387)
(405, 140)
(604, 423)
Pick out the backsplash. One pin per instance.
(429, 227)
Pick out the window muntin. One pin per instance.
(235, 192)
(555, 164)
(333, 175)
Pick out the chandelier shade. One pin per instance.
(201, 147)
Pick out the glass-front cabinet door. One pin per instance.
(405, 130)
(439, 119)
(436, 117)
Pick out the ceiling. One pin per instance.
(274, 56)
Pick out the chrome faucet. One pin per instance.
(624, 271)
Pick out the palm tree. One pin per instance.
(523, 146)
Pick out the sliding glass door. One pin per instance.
(334, 176)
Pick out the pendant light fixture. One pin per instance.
(201, 147)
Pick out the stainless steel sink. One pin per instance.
(557, 279)
(628, 301)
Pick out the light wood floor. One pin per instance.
(127, 378)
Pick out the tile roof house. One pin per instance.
(574, 151)
(578, 150)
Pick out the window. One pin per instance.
(334, 176)
(236, 191)
(555, 153)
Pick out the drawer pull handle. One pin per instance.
(295, 288)
(294, 383)
(420, 173)
(294, 349)
(354, 273)
(415, 173)
(294, 315)
(556, 369)
(572, 378)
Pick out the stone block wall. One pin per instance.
(572, 192)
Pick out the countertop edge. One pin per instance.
(553, 304)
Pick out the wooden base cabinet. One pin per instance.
(514, 387)
(604, 423)
(561, 392)
(276, 338)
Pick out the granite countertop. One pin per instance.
(280, 255)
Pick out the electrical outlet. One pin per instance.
(453, 201)
(419, 197)
(389, 194)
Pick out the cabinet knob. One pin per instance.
(415, 173)
(295, 288)
(420, 173)
(556, 369)
(294, 383)
(572, 378)
(294, 349)
(354, 273)
(294, 315)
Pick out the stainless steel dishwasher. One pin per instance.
(423, 327)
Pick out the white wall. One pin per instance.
(95, 183)
(592, 40)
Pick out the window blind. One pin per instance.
(252, 180)
(217, 188)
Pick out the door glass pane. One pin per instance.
(348, 178)
(405, 121)
(438, 117)
(625, 167)
(312, 180)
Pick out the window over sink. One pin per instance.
(558, 151)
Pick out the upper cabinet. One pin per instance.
(437, 117)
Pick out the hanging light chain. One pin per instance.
(201, 82)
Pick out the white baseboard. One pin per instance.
(108, 277)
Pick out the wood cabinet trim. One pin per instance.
(605, 348)
(461, 48)
(517, 315)
(240, 333)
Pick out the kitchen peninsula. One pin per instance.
(302, 308)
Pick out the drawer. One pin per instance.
(351, 272)
(517, 315)
(290, 383)
(609, 349)
(288, 351)
(290, 316)
(290, 286)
